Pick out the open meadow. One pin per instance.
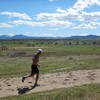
(81, 58)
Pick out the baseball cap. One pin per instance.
(39, 50)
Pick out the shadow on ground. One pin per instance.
(24, 90)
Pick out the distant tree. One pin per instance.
(77, 42)
(84, 43)
(28, 44)
(41, 43)
(55, 43)
(18, 54)
(70, 43)
(4, 48)
(21, 42)
(33, 45)
(0, 53)
(94, 42)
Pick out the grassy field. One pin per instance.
(58, 55)
(85, 92)
(19, 66)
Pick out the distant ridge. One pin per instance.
(84, 37)
(21, 37)
(37, 37)
(4, 37)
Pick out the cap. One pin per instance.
(39, 50)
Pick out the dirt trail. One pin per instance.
(14, 86)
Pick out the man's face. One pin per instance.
(39, 53)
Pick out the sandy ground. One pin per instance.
(14, 86)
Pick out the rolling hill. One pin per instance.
(39, 37)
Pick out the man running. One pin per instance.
(34, 67)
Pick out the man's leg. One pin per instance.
(37, 78)
(23, 78)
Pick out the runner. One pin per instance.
(34, 67)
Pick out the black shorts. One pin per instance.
(34, 69)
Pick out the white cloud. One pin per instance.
(57, 23)
(93, 16)
(15, 14)
(53, 29)
(5, 25)
(47, 16)
(76, 13)
(82, 4)
(70, 15)
(79, 7)
(44, 23)
(20, 22)
(9, 34)
(61, 10)
(91, 25)
(62, 15)
(43, 34)
(52, 0)
(47, 35)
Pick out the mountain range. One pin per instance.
(39, 37)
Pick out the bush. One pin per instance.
(18, 54)
(4, 48)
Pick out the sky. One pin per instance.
(54, 18)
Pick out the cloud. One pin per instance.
(66, 15)
(53, 29)
(59, 15)
(91, 25)
(62, 17)
(20, 22)
(23, 16)
(82, 4)
(47, 16)
(9, 34)
(69, 15)
(47, 35)
(76, 13)
(94, 16)
(43, 23)
(43, 34)
(57, 23)
(5, 25)
(60, 10)
(52, 0)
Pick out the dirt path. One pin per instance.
(14, 86)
